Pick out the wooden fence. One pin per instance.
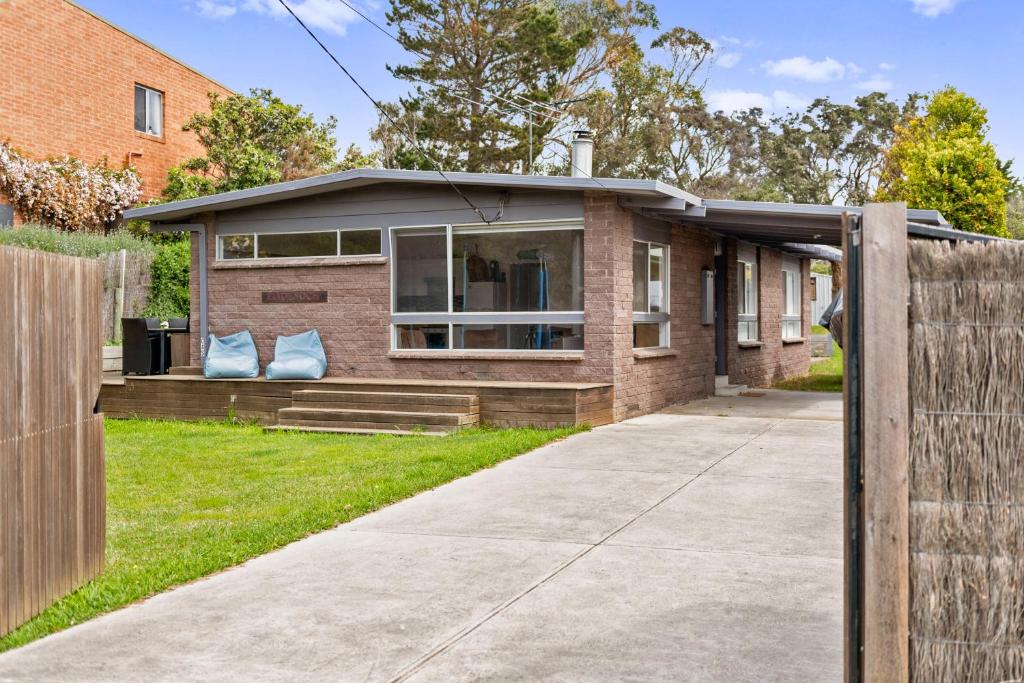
(935, 471)
(126, 275)
(52, 489)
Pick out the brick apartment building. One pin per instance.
(72, 83)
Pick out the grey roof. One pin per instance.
(361, 177)
(799, 228)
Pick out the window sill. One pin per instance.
(654, 353)
(794, 340)
(319, 261)
(750, 344)
(152, 138)
(532, 356)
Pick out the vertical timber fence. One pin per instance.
(934, 454)
(52, 489)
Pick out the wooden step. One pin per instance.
(350, 430)
(387, 401)
(392, 420)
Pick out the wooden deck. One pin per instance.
(503, 404)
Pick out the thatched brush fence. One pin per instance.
(966, 470)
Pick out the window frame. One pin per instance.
(337, 245)
(792, 269)
(745, 319)
(663, 318)
(148, 116)
(451, 318)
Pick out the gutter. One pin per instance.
(204, 318)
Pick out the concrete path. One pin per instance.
(682, 547)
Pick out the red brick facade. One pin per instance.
(355, 321)
(67, 87)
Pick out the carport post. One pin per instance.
(877, 411)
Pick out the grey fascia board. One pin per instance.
(944, 232)
(359, 177)
(929, 216)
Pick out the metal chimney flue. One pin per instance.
(582, 154)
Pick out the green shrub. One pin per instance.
(168, 292)
(71, 243)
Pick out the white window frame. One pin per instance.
(791, 271)
(337, 245)
(663, 317)
(747, 315)
(149, 113)
(451, 318)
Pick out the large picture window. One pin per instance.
(792, 295)
(516, 287)
(271, 245)
(747, 295)
(650, 295)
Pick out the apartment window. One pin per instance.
(791, 299)
(516, 287)
(272, 245)
(747, 295)
(650, 295)
(149, 111)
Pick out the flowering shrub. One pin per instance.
(66, 193)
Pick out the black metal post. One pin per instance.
(854, 475)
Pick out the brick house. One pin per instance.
(633, 284)
(74, 84)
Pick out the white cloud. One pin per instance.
(933, 8)
(886, 66)
(806, 69)
(329, 15)
(853, 69)
(877, 82)
(725, 58)
(728, 60)
(215, 10)
(736, 100)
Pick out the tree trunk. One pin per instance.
(837, 277)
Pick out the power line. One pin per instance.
(393, 37)
(521, 108)
(385, 114)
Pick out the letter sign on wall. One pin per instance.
(298, 297)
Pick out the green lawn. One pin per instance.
(186, 499)
(826, 375)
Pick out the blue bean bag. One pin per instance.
(233, 356)
(300, 356)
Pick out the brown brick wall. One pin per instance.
(67, 88)
(647, 384)
(773, 360)
(354, 323)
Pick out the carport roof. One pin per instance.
(799, 228)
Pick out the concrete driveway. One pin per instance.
(683, 547)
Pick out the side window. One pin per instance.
(650, 295)
(792, 299)
(747, 295)
(149, 111)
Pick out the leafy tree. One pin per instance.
(831, 151)
(168, 293)
(941, 160)
(252, 140)
(480, 61)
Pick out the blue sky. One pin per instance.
(772, 54)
